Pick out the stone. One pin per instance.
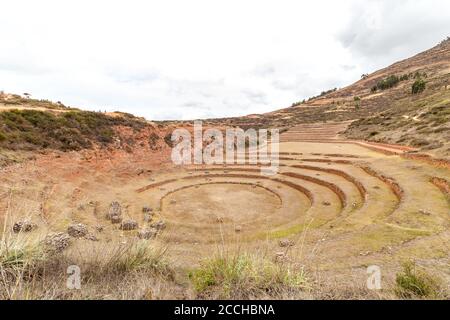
(219, 220)
(326, 203)
(57, 241)
(147, 217)
(147, 234)
(146, 209)
(129, 225)
(99, 228)
(24, 226)
(116, 219)
(78, 230)
(91, 237)
(115, 210)
(238, 228)
(424, 212)
(280, 256)
(286, 243)
(160, 225)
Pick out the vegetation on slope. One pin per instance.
(71, 130)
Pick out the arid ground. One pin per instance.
(336, 207)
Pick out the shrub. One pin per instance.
(168, 140)
(72, 130)
(414, 283)
(418, 86)
(388, 83)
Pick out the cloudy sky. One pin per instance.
(204, 58)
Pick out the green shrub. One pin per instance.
(413, 283)
(71, 130)
(418, 86)
(388, 83)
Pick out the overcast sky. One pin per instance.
(196, 59)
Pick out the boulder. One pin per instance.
(286, 243)
(147, 209)
(280, 257)
(24, 226)
(115, 210)
(116, 219)
(91, 237)
(160, 225)
(238, 228)
(57, 241)
(129, 225)
(147, 234)
(78, 230)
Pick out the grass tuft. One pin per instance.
(243, 276)
(414, 283)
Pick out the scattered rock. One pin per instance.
(78, 230)
(280, 256)
(116, 219)
(99, 228)
(364, 253)
(129, 225)
(147, 234)
(424, 212)
(115, 212)
(147, 217)
(160, 225)
(24, 226)
(147, 209)
(91, 237)
(57, 241)
(219, 219)
(286, 243)
(238, 228)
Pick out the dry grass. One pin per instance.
(414, 282)
(236, 275)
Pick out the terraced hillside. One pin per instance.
(334, 208)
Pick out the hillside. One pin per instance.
(391, 113)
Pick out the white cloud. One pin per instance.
(191, 59)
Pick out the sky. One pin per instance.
(177, 59)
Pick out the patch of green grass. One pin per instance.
(240, 275)
(413, 283)
(387, 235)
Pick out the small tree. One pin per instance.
(418, 86)
(357, 102)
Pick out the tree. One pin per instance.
(418, 86)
